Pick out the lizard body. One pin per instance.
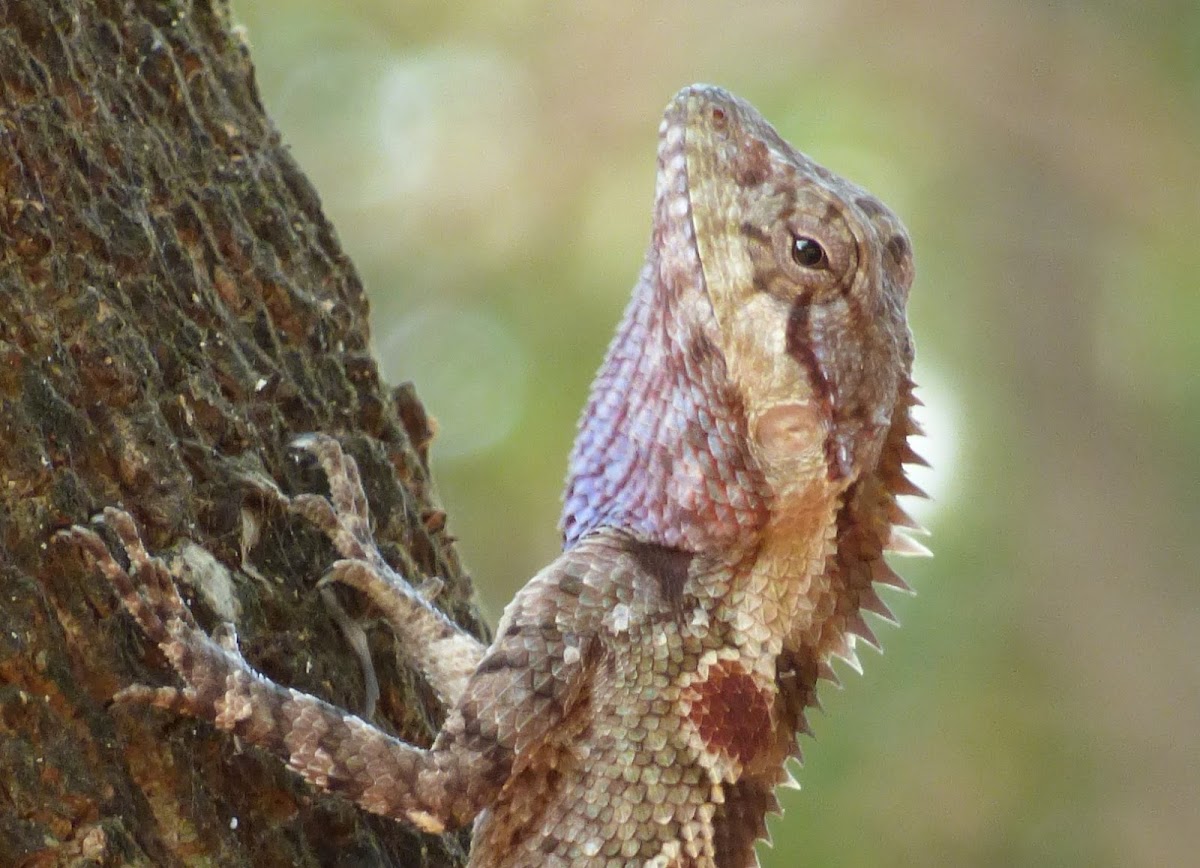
(731, 493)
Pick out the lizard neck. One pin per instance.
(785, 584)
(662, 448)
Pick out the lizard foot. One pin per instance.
(345, 518)
(440, 649)
(208, 665)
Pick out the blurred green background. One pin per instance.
(489, 166)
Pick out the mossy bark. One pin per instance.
(174, 308)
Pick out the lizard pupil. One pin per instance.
(808, 253)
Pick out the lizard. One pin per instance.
(730, 496)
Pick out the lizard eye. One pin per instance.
(808, 253)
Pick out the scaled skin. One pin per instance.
(731, 493)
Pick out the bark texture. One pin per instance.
(173, 309)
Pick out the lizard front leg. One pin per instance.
(444, 653)
(524, 686)
(436, 789)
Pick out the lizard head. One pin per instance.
(764, 352)
(807, 275)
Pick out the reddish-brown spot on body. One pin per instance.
(732, 712)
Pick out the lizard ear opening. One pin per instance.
(792, 433)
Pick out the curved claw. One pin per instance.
(316, 510)
(345, 484)
(152, 598)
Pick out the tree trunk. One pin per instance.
(174, 308)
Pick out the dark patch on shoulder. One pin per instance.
(870, 206)
(669, 566)
(755, 165)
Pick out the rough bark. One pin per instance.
(173, 309)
